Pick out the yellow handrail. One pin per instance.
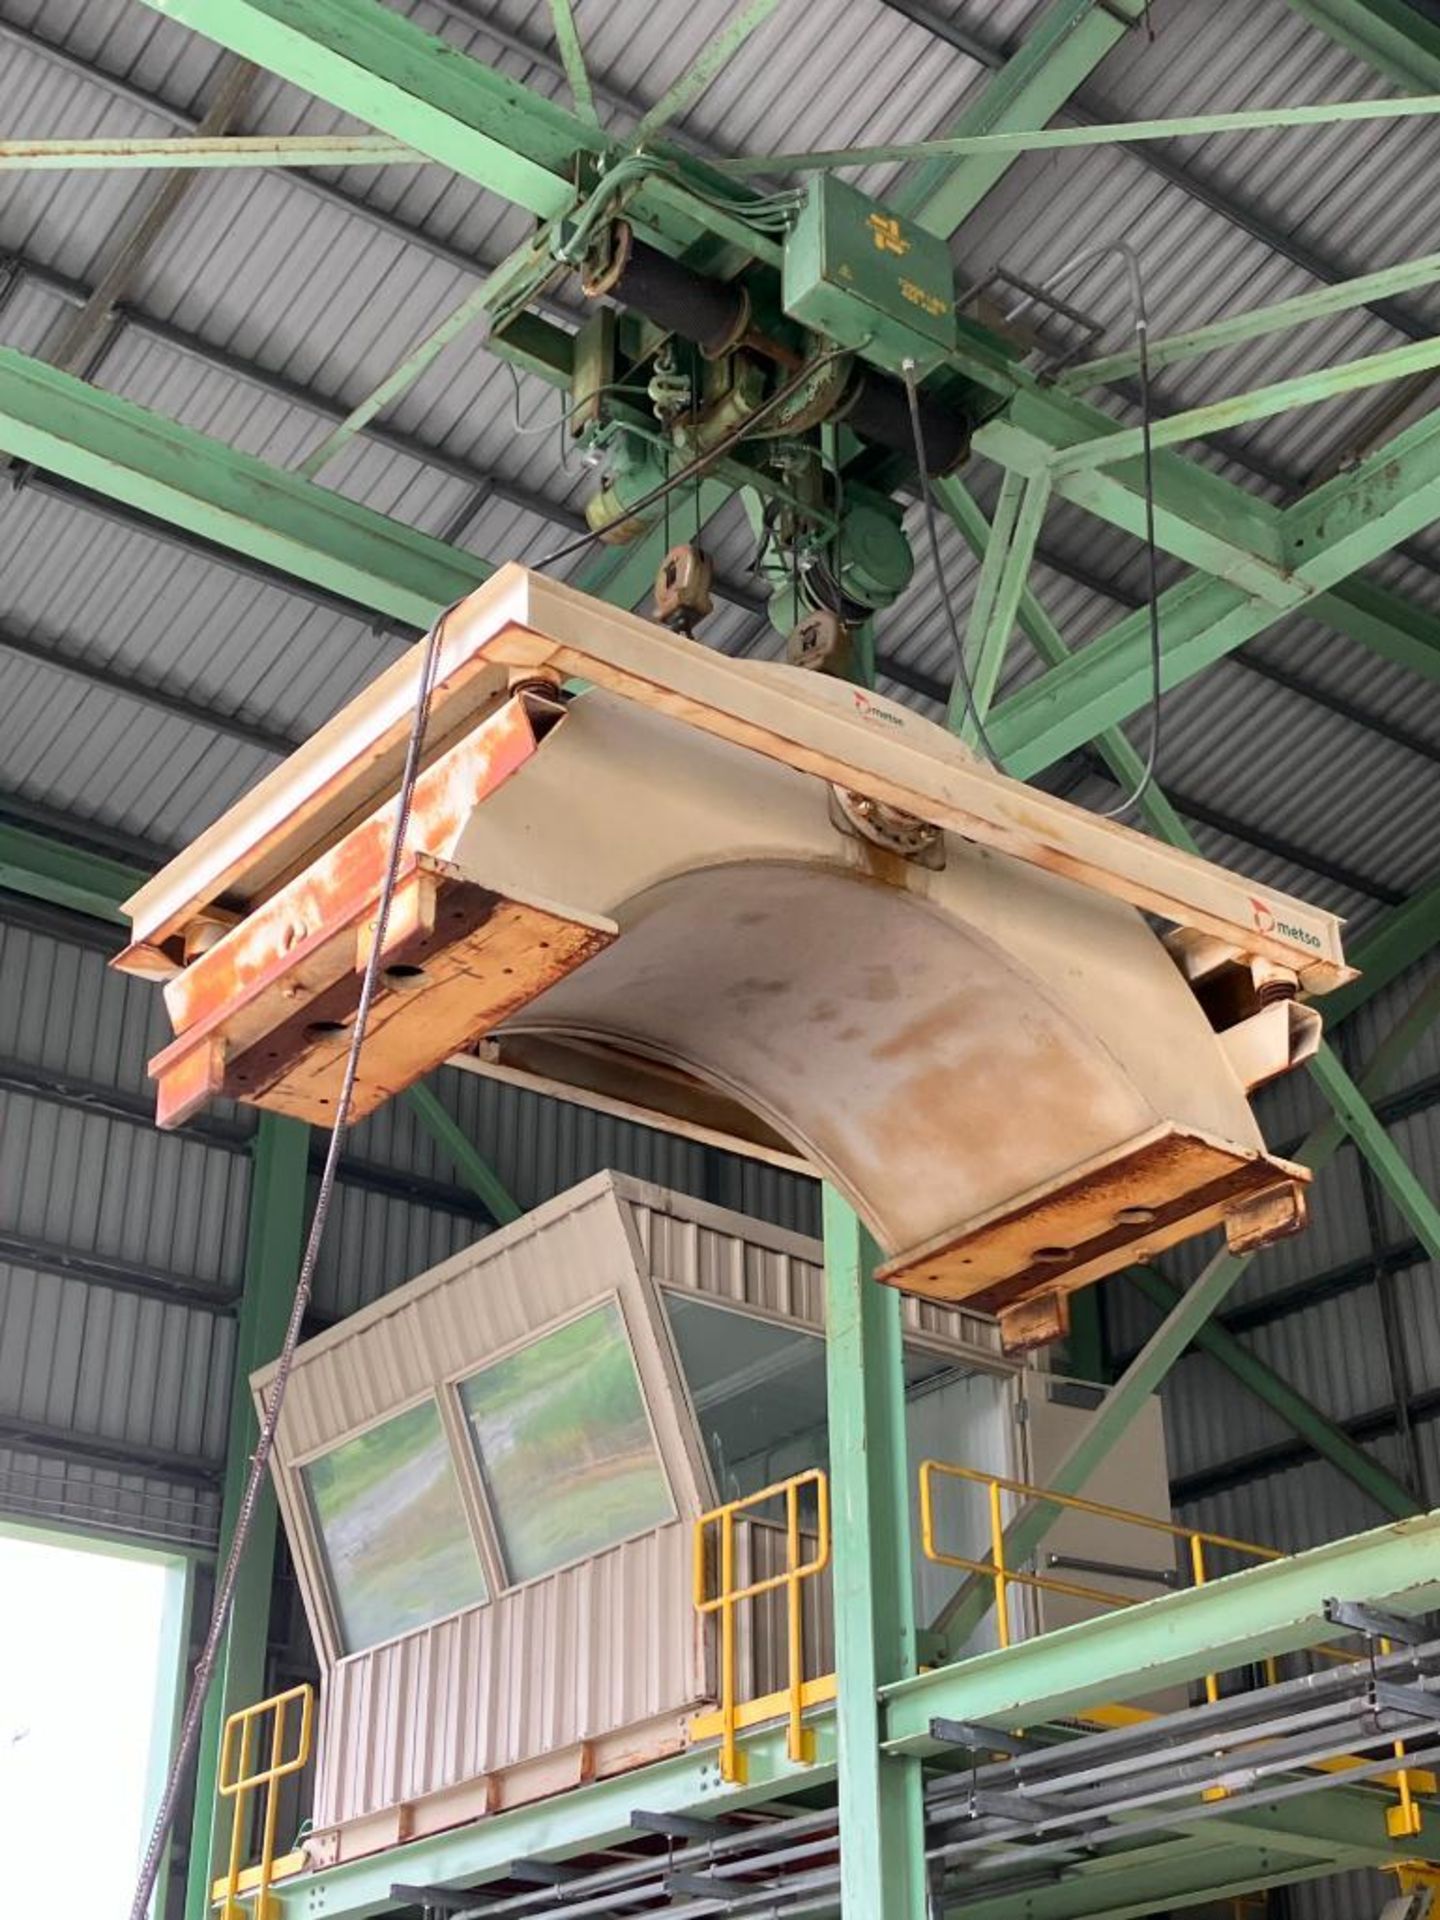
(239, 1782)
(1402, 1820)
(796, 1571)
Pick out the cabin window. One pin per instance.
(564, 1445)
(758, 1389)
(396, 1541)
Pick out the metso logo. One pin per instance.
(1266, 922)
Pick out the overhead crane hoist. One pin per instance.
(768, 908)
(676, 370)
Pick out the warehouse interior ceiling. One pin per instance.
(150, 675)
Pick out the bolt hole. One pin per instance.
(1051, 1256)
(1135, 1216)
(322, 1029)
(402, 975)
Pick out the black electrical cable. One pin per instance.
(703, 460)
(957, 643)
(260, 1459)
(1141, 326)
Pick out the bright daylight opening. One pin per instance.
(87, 1677)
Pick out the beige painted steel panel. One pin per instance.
(585, 1652)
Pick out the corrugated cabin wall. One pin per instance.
(122, 1248)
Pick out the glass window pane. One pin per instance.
(388, 1511)
(564, 1446)
(758, 1389)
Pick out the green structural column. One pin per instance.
(274, 1241)
(882, 1834)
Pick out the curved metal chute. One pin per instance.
(756, 905)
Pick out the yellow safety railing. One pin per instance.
(715, 1551)
(241, 1779)
(1401, 1820)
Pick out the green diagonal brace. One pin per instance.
(380, 67)
(1393, 36)
(469, 1163)
(1065, 46)
(1331, 1442)
(124, 452)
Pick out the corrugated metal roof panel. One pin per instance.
(111, 1366)
(107, 1500)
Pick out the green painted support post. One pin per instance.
(275, 1238)
(1331, 1442)
(882, 1833)
(469, 1163)
(1066, 45)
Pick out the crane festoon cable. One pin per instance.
(259, 1460)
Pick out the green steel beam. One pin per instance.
(1019, 517)
(1060, 51)
(1330, 1441)
(275, 1237)
(1322, 539)
(1042, 633)
(572, 55)
(184, 154)
(1405, 935)
(37, 865)
(585, 1820)
(1273, 1608)
(127, 453)
(701, 69)
(1385, 1159)
(375, 64)
(399, 379)
(1341, 296)
(1396, 39)
(882, 1833)
(1320, 113)
(1260, 403)
(367, 59)
(469, 1163)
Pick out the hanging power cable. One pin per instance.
(260, 1459)
(1141, 328)
(932, 536)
